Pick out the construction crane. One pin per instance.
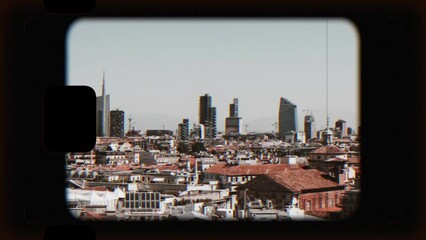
(307, 111)
(245, 126)
(130, 122)
(275, 124)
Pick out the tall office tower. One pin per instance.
(212, 130)
(102, 113)
(205, 104)
(309, 127)
(207, 116)
(341, 124)
(287, 118)
(232, 123)
(183, 130)
(233, 108)
(349, 131)
(117, 123)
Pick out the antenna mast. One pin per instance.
(326, 68)
(130, 122)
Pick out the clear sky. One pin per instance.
(155, 70)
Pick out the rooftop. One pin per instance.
(329, 149)
(228, 170)
(300, 180)
(354, 160)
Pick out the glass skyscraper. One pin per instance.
(287, 118)
(102, 113)
(207, 115)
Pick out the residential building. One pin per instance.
(306, 189)
(117, 123)
(230, 176)
(309, 127)
(183, 130)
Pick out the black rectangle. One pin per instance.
(69, 119)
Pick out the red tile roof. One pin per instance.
(165, 167)
(299, 180)
(329, 149)
(355, 159)
(240, 170)
(98, 188)
(357, 170)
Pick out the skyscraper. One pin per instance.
(117, 123)
(232, 123)
(233, 108)
(205, 104)
(309, 127)
(183, 130)
(212, 130)
(287, 117)
(207, 116)
(102, 113)
(341, 124)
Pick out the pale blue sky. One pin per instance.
(155, 70)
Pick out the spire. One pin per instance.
(103, 84)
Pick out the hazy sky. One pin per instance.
(155, 70)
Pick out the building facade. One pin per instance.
(183, 130)
(305, 189)
(309, 127)
(232, 123)
(340, 126)
(207, 116)
(117, 123)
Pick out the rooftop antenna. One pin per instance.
(130, 122)
(275, 124)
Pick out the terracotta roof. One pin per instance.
(329, 149)
(238, 170)
(165, 167)
(354, 159)
(299, 180)
(323, 212)
(357, 170)
(98, 188)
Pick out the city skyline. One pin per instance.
(225, 73)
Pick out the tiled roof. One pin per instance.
(299, 180)
(97, 188)
(355, 159)
(165, 167)
(239, 170)
(329, 149)
(357, 170)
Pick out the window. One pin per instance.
(308, 205)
